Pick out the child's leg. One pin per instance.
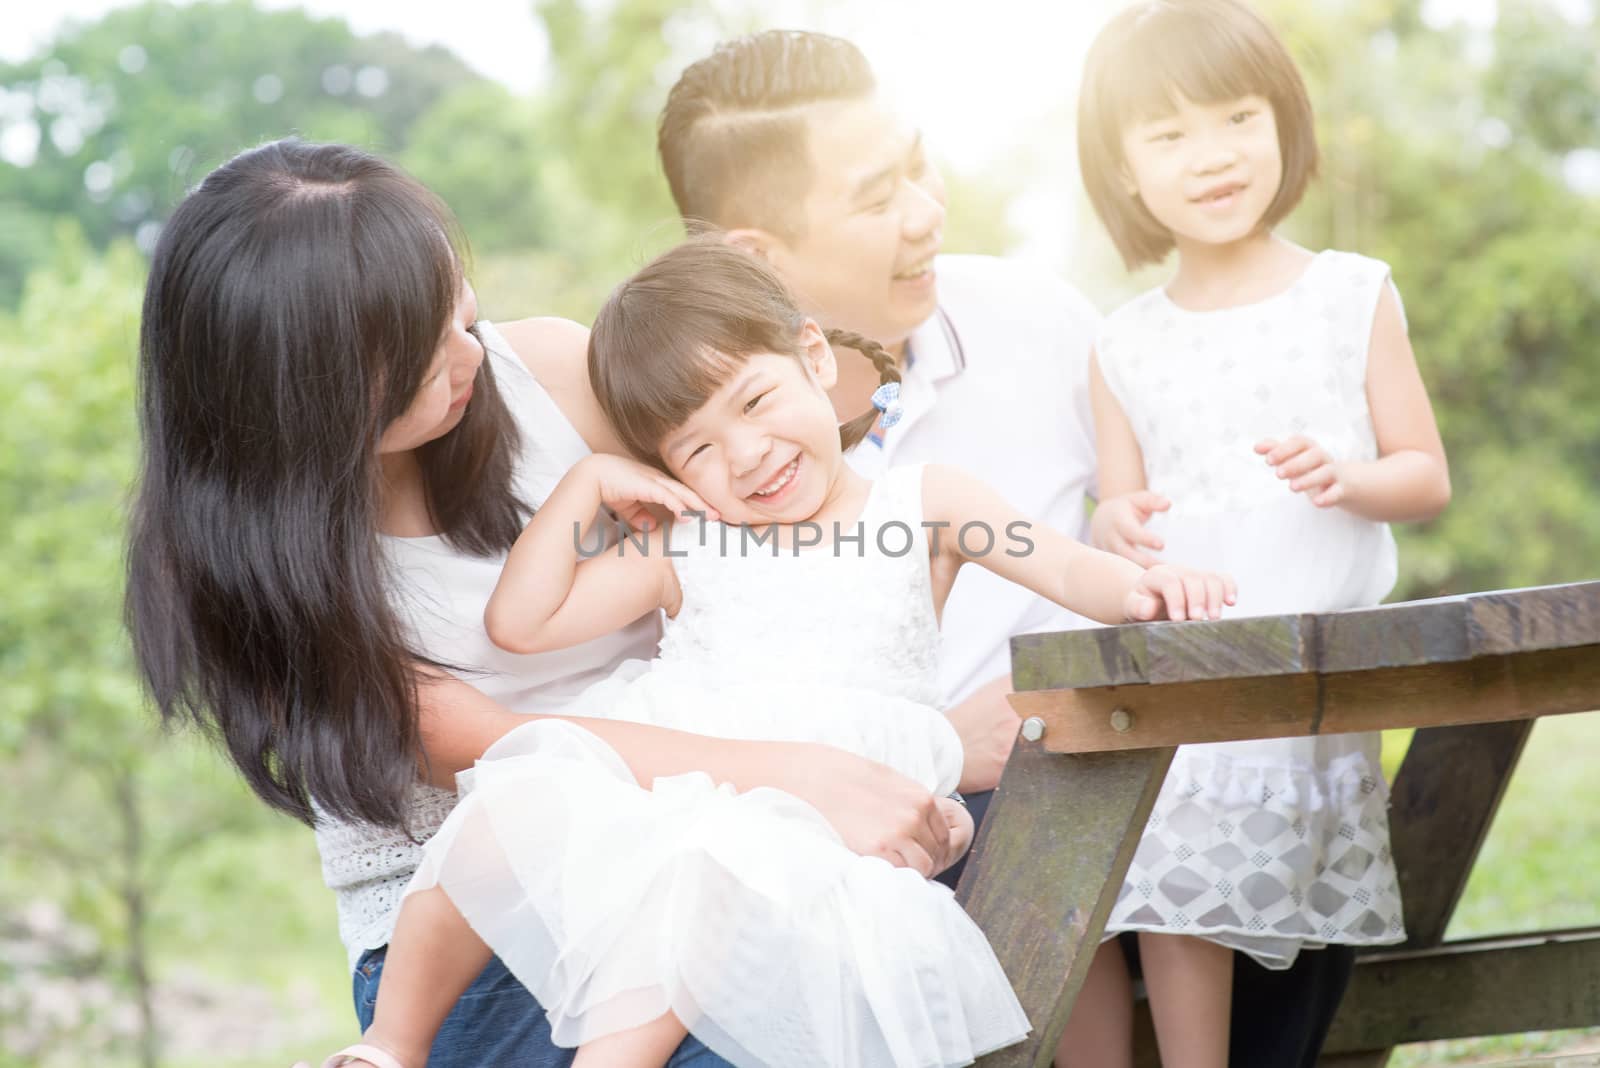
(1099, 1032)
(647, 1046)
(1190, 981)
(432, 959)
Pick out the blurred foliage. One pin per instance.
(126, 112)
(1444, 153)
(98, 808)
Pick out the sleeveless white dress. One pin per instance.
(1264, 846)
(743, 913)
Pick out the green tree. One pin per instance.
(99, 805)
(129, 110)
(484, 151)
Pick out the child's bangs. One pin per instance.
(1202, 60)
(666, 370)
(677, 332)
(678, 383)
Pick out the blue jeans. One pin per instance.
(497, 1024)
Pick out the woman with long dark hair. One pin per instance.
(337, 455)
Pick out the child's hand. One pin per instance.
(1118, 525)
(628, 488)
(959, 820)
(1167, 591)
(1308, 467)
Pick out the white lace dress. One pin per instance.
(743, 913)
(1264, 846)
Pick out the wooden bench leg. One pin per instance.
(1445, 796)
(1443, 803)
(1046, 869)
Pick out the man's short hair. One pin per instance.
(733, 134)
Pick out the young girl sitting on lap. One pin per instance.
(803, 604)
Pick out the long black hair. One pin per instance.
(294, 302)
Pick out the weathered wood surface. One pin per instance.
(1045, 870)
(1578, 1060)
(1481, 690)
(1441, 807)
(1444, 630)
(1364, 1059)
(1481, 659)
(1537, 982)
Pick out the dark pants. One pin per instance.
(1279, 1019)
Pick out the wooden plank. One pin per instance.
(1446, 629)
(1364, 1059)
(1263, 645)
(1486, 689)
(1551, 617)
(1398, 635)
(1164, 652)
(1441, 807)
(1098, 656)
(1045, 870)
(1539, 982)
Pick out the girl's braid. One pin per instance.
(852, 433)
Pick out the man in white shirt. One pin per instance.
(781, 141)
(994, 356)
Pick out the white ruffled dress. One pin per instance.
(743, 913)
(1264, 846)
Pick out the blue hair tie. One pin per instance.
(886, 398)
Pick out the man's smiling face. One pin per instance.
(873, 218)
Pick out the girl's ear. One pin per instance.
(818, 355)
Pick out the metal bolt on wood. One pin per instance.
(1121, 720)
(1033, 728)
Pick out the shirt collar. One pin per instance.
(934, 349)
(933, 355)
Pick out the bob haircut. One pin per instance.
(1206, 51)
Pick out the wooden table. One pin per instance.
(1104, 709)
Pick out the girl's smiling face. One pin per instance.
(1207, 172)
(764, 448)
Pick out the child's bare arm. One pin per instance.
(1092, 583)
(1125, 505)
(555, 591)
(1410, 480)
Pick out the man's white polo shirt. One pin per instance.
(998, 384)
